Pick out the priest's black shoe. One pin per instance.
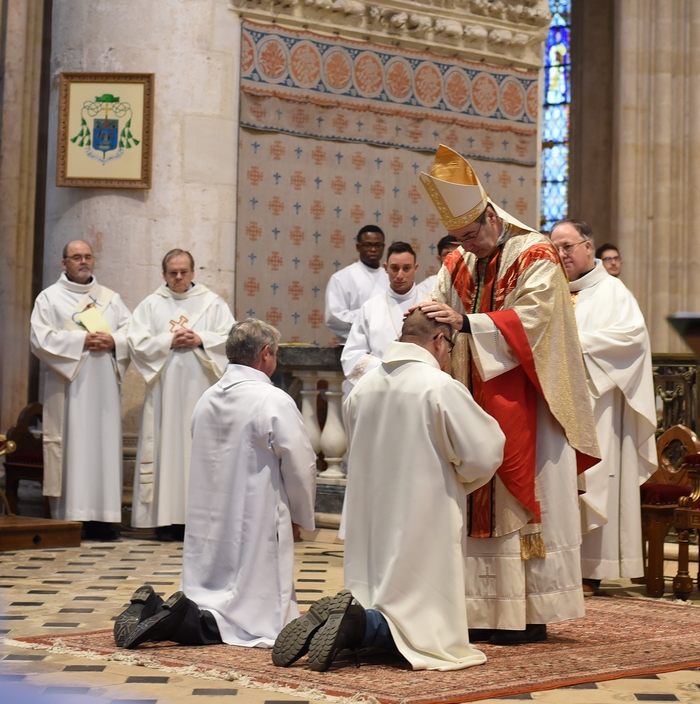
(144, 603)
(294, 639)
(533, 633)
(97, 530)
(344, 629)
(480, 635)
(163, 625)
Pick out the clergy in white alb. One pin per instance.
(506, 292)
(78, 331)
(617, 355)
(350, 287)
(380, 318)
(252, 480)
(418, 444)
(253, 475)
(177, 339)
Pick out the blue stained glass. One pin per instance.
(555, 116)
(561, 9)
(557, 47)
(555, 200)
(555, 123)
(555, 164)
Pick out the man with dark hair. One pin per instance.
(78, 331)
(518, 352)
(350, 287)
(253, 477)
(617, 355)
(445, 246)
(609, 254)
(380, 318)
(176, 338)
(404, 547)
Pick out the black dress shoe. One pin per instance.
(294, 639)
(479, 635)
(98, 530)
(344, 629)
(533, 633)
(161, 626)
(144, 603)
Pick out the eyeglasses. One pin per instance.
(612, 259)
(80, 257)
(568, 248)
(372, 245)
(448, 340)
(468, 238)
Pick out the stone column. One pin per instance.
(656, 170)
(20, 37)
(193, 49)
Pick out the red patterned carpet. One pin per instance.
(619, 637)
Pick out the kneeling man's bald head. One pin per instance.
(425, 332)
(419, 326)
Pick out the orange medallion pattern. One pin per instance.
(389, 96)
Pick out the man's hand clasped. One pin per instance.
(184, 338)
(98, 342)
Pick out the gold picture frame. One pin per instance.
(105, 130)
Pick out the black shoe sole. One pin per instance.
(323, 648)
(144, 602)
(294, 639)
(155, 628)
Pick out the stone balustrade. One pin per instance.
(300, 368)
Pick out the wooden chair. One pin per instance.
(660, 496)
(27, 461)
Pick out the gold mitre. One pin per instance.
(454, 189)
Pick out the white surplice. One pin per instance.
(82, 405)
(347, 290)
(617, 354)
(175, 381)
(418, 443)
(253, 474)
(378, 323)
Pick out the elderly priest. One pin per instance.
(78, 331)
(253, 477)
(505, 293)
(617, 355)
(176, 338)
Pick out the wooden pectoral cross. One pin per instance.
(178, 325)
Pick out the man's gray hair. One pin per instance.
(247, 340)
(583, 228)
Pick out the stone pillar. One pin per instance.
(20, 41)
(193, 49)
(656, 169)
(591, 132)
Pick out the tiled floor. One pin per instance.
(53, 591)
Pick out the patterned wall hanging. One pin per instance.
(301, 203)
(333, 136)
(364, 92)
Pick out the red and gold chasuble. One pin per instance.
(514, 289)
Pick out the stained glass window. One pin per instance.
(555, 116)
